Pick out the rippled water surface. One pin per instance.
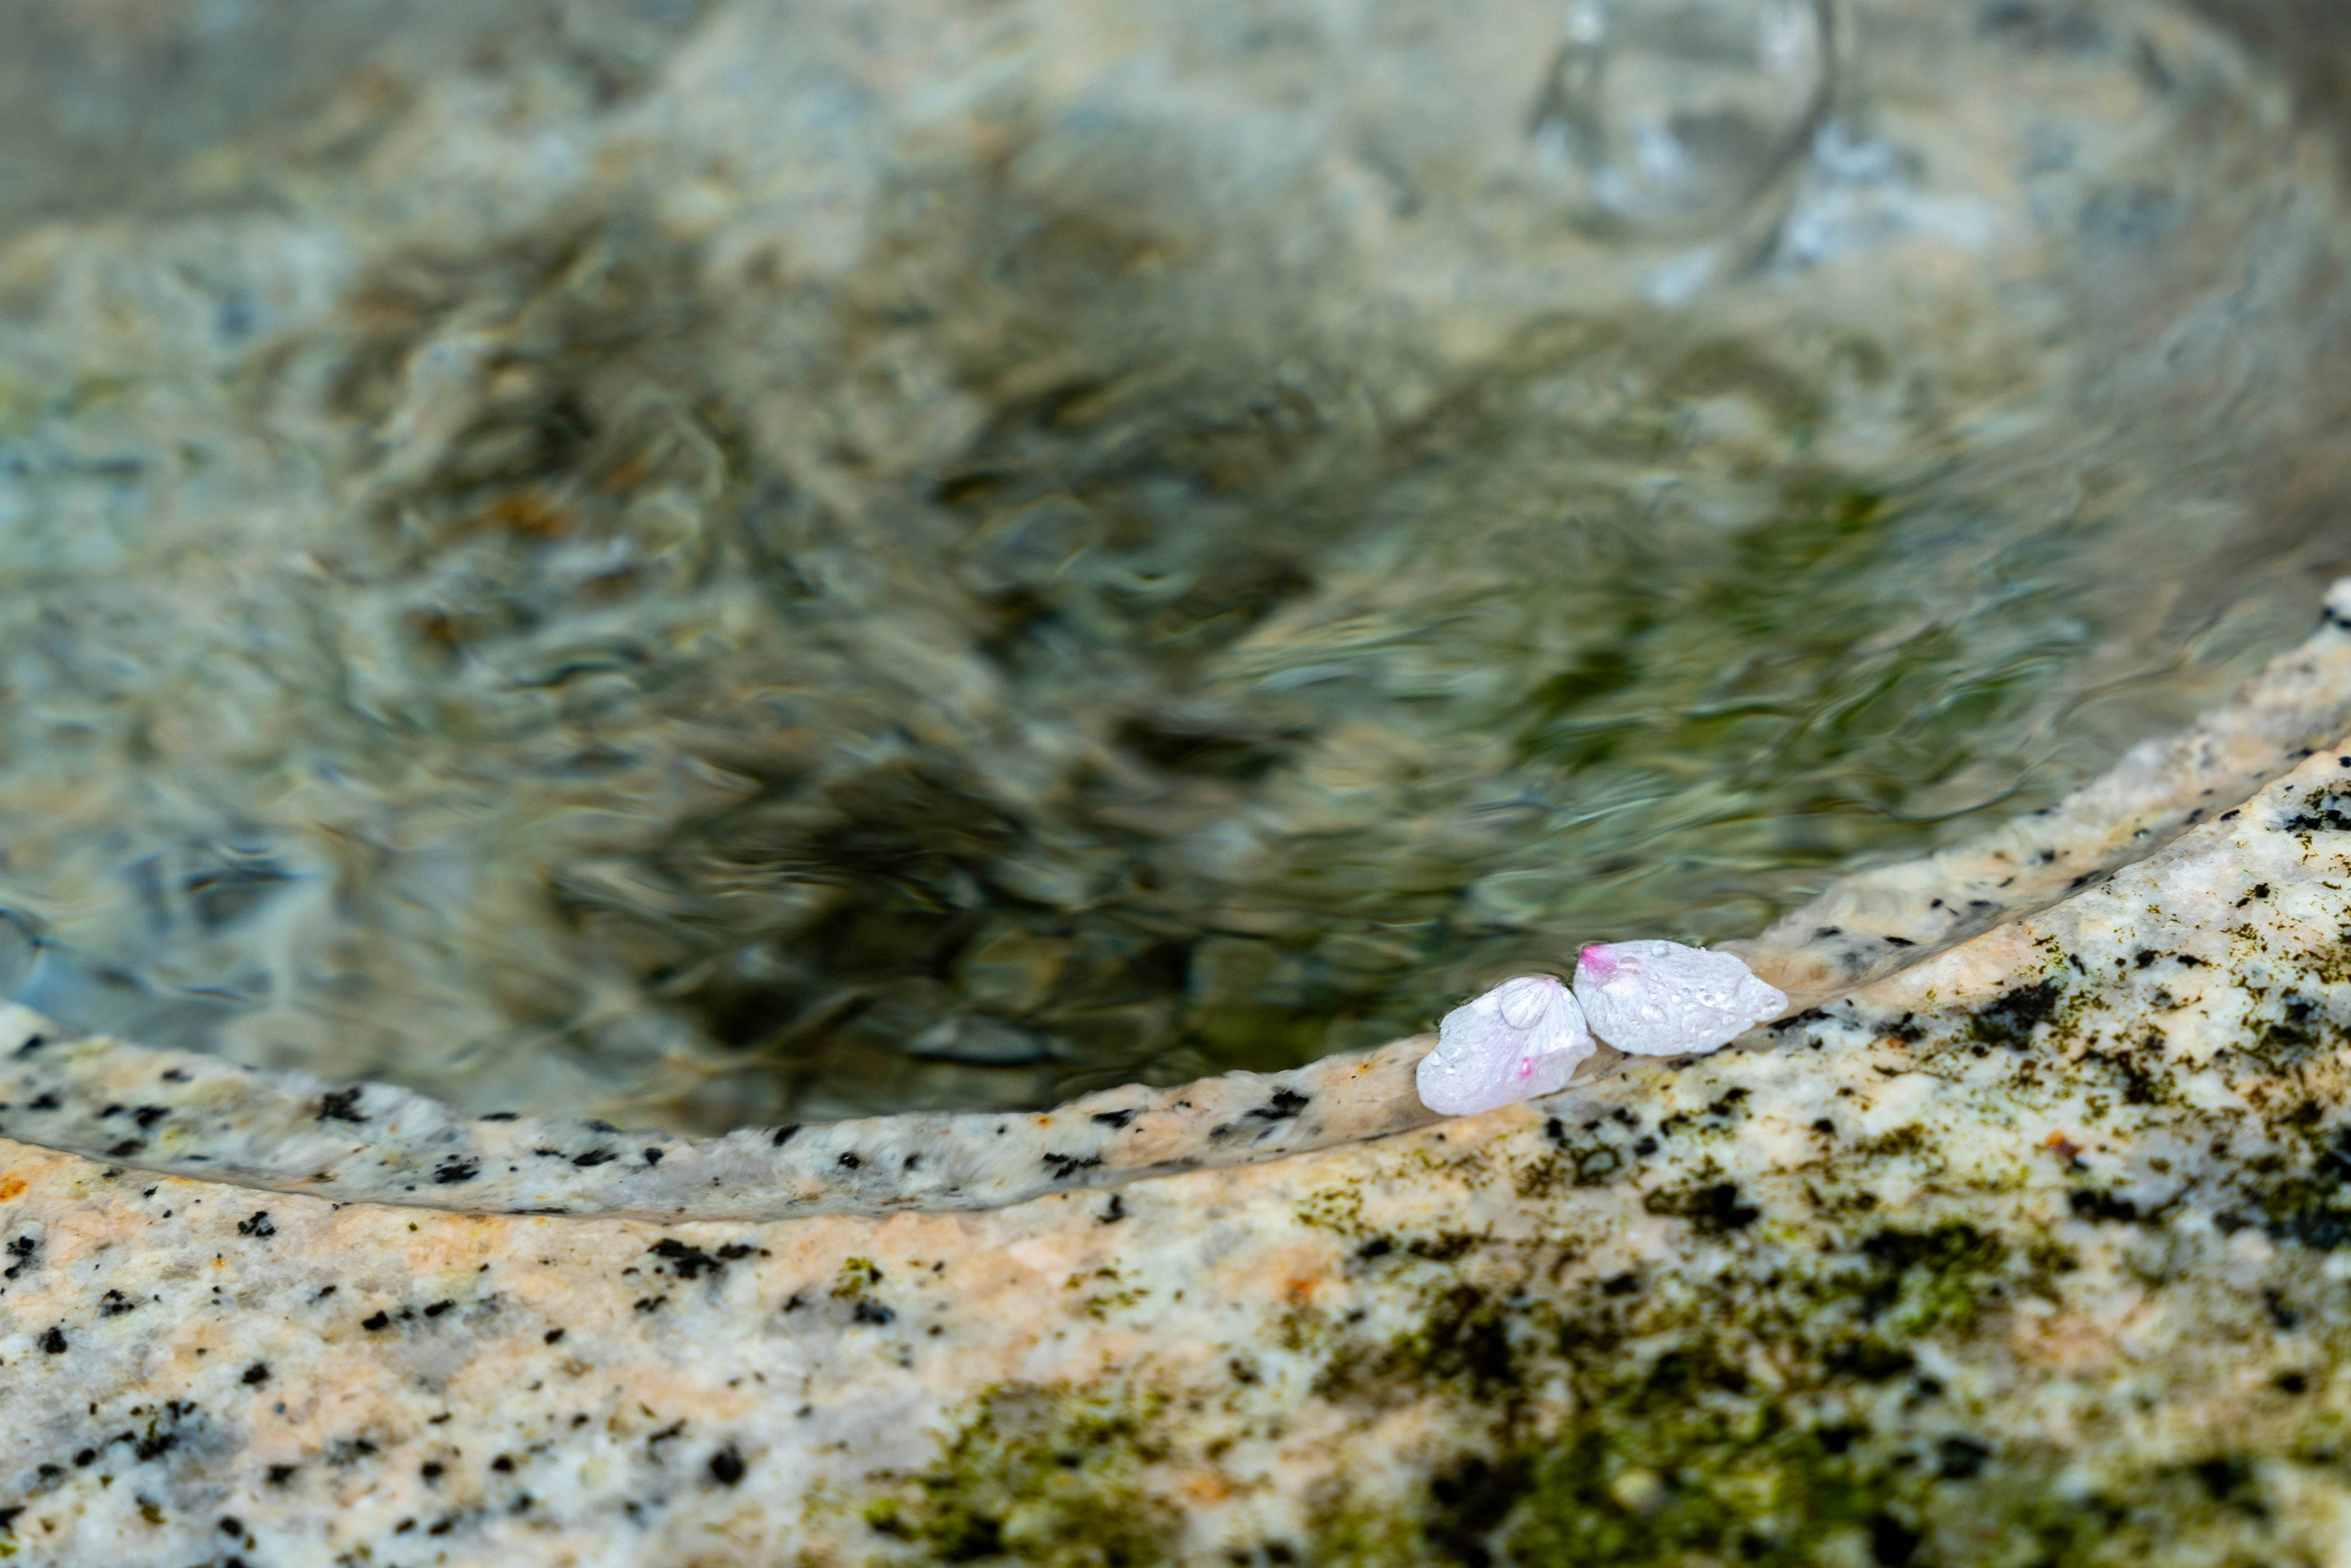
(712, 564)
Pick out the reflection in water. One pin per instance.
(1672, 115)
(710, 567)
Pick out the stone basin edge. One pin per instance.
(187, 1115)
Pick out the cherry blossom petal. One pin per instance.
(1661, 998)
(1523, 1038)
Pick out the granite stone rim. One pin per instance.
(182, 1114)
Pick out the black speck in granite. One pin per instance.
(1962, 1458)
(591, 1157)
(849, 1160)
(1714, 1210)
(1285, 1104)
(2010, 1018)
(258, 1226)
(255, 1375)
(341, 1105)
(54, 1342)
(45, 1101)
(653, 1156)
(2102, 1207)
(691, 1262)
(1064, 1166)
(462, 1168)
(1114, 1120)
(782, 1135)
(377, 1322)
(726, 1465)
(554, 1336)
(280, 1474)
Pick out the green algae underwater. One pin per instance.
(579, 634)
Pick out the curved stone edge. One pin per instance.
(188, 1115)
(182, 1114)
(1875, 922)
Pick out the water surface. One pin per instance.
(719, 565)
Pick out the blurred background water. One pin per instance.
(712, 563)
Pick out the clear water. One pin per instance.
(706, 565)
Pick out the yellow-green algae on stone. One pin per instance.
(2031, 1253)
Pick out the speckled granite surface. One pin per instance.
(2030, 1252)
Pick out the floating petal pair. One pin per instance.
(1525, 1037)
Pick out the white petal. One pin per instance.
(1661, 998)
(1523, 1038)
